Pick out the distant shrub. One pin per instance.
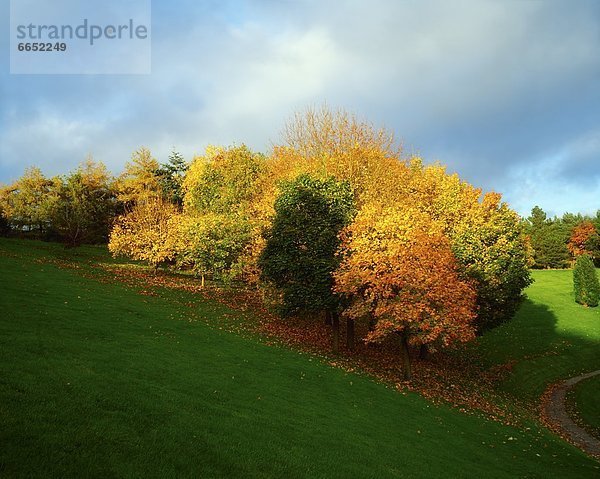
(587, 288)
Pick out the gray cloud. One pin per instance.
(495, 89)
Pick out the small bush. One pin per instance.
(587, 288)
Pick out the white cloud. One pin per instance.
(48, 141)
(492, 88)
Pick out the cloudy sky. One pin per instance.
(506, 93)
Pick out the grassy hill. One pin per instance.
(584, 402)
(102, 380)
(551, 337)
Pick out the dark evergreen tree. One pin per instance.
(549, 239)
(300, 253)
(585, 281)
(538, 218)
(170, 177)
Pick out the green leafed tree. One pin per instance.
(585, 281)
(492, 249)
(211, 244)
(300, 252)
(548, 237)
(170, 178)
(220, 192)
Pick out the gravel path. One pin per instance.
(556, 413)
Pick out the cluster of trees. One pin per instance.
(75, 208)
(573, 240)
(336, 225)
(557, 242)
(333, 224)
(81, 206)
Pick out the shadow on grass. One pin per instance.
(540, 347)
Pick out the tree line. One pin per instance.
(557, 242)
(334, 223)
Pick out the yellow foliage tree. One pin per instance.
(147, 233)
(27, 204)
(139, 180)
(211, 244)
(327, 143)
(225, 190)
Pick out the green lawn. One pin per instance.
(585, 398)
(97, 380)
(551, 337)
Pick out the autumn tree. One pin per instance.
(139, 180)
(585, 281)
(583, 239)
(28, 202)
(300, 252)
(5, 226)
(223, 179)
(486, 236)
(146, 232)
(398, 271)
(324, 143)
(222, 207)
(84, 205)
(148, 228)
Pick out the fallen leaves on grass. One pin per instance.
(455, 377)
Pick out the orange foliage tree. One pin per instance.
(398, 271)
(487, 237)
(582, 237)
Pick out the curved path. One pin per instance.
(556, 413)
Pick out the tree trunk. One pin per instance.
(202, 281)
(335, 322)
(350, 334)
(328, 321)
(423, 352)
(405, 357)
